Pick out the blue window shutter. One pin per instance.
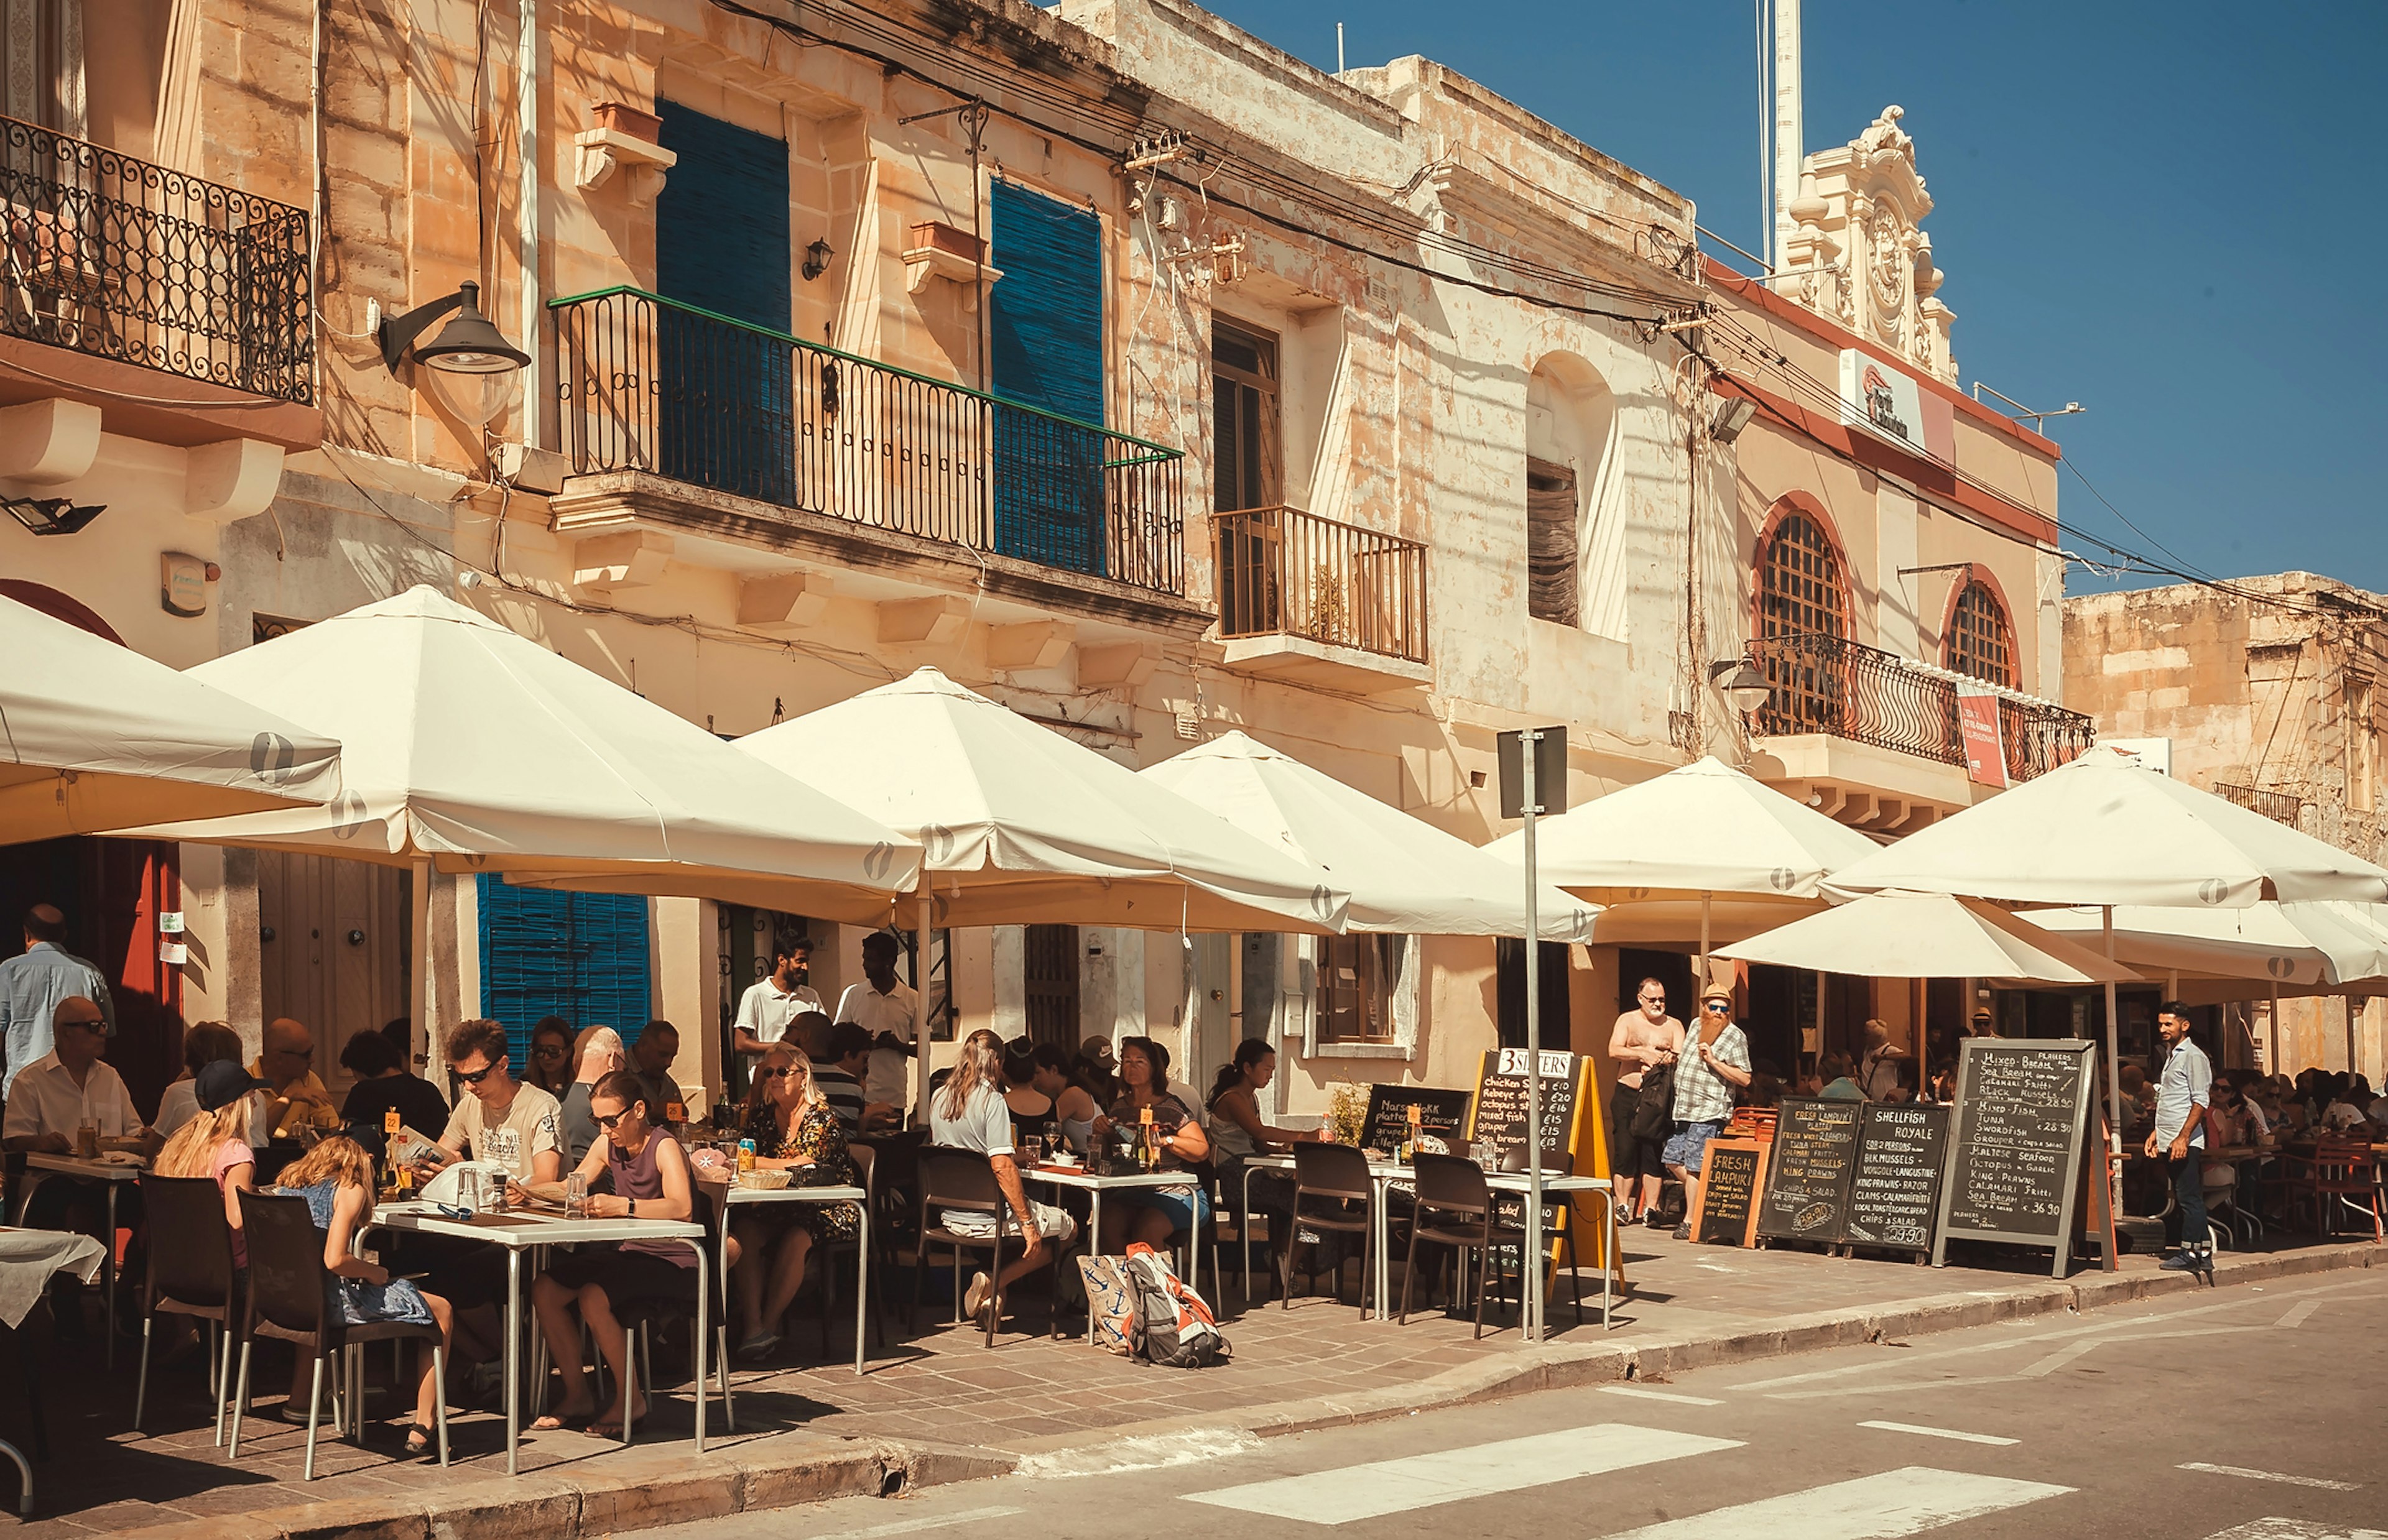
(582, 956)
(1045, 346)
(724, 395)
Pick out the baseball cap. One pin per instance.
(224, 1082)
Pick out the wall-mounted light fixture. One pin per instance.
(52, 515)
(817, 257)
(1732, 416)
(1742, 683)
(468, 345)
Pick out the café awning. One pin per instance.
(1405, 876)
(96, 737)
(2295, 946)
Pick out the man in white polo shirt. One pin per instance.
(883, 1006)
(764, 1011)
(54, 1096)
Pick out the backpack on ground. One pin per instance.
(1110, 1304)
(1175, 1328)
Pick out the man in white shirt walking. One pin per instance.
(764, 1011)
(2182, 1096)
(883, 1006)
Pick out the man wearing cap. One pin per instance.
(1713, 1065)
(33, 984)
(55, 1096)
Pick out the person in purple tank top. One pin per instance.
(651, 1181)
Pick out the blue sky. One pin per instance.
(2162, 211)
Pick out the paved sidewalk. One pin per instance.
(940, 1407)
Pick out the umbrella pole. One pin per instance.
(2113, 1066)
(920, 998)
(2272, 1065)
(418, 982)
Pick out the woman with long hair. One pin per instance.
(969, 1113)
(1074, 1108)
(651, 1180)
(336, 1180)
(1153, 1213)
(792, 1125)
(550, 1065)
(1238, 1132)
(214, 1142)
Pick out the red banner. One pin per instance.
(1986, 749)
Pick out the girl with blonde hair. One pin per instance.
(336, 1180)
(214, 1143)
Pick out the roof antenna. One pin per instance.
(1339, 47)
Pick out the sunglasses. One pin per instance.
(553, 1050)
(607, 1123)
(475, 1077)
(1716, 1007)
(100, 1027)
(781, 1072)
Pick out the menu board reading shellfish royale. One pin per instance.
(1901, 1150)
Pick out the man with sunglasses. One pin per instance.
(1713, 1065)
(54, 1097)
(498, 1117)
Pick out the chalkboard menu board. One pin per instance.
(1896, 1194)
(1729, 1179)
(1442, 1112)
(1808, 1179)
(2014, 1167)
(1500, 1126)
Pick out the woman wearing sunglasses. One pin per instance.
(792, 1125)
(650, 1181)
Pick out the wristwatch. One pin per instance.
(633, 1211)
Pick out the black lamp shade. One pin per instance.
(469, 343)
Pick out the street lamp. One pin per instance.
(468, 345)
(52, 515)
(1741, 682)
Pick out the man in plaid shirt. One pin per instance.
(1713, 1065)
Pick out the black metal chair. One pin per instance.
(639, 1318)
(190, 1274)
(290, 1296)
(1328, 1179)
(864, 1160)
(1458, 1210)
(963, 1182)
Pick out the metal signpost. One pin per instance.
(1522, 755)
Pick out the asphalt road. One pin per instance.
(2241, 1414)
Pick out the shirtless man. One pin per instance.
(1641, 1039)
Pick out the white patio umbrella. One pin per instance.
(1693, 834)
(471, 749)
(1927, 936)
(2287, 945)
(1021, 824)
(94, 737)
(2106, 830)
(1405, 876)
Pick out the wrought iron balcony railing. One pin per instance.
(1283, 572)
(2281, 807)
(649, 383)
(1828, 685)
(113, 256)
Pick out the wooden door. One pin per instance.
(1049, 974)
(334, 949)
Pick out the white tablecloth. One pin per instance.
(29, 1258)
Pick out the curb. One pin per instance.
(647, 1488)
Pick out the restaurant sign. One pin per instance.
(1886, 401)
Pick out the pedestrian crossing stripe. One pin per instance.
(1911, 1500)
(1372, 1490)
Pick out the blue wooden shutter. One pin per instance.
(721, 244)
(582, 956)
(1045, 344)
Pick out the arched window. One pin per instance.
(1980, 643)
(1803, 616)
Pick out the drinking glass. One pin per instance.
(1032, 1149)
(468, 1192)
(575, 1197)
(87, 1138)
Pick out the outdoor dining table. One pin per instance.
(730, 1195)
(29, 1260)
(522, 1231)
(1081, 1180)
(1384, 1174)
(114, 1173)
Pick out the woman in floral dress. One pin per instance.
(792, 1125)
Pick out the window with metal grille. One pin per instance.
(1980, 644)
(1801, 593)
